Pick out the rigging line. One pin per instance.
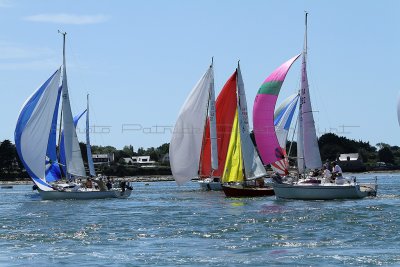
(291, 142)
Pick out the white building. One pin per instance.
(103, 158)
(143, 161)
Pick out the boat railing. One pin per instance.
(370, 186)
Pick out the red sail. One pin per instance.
(225, 105)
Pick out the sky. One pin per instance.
(139, 60)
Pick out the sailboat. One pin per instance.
(200, 138)
(244, 172)
(35, 140)
(225, 107)
(308, 156)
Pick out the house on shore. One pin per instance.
(351, 162)
(100, 159)
(143, 161)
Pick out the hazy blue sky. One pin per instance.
(139, 60)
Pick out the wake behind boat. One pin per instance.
(35, 140)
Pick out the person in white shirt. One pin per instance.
(326, 174)
(337, 174)
(336, 171)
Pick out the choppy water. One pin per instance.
(165, 225)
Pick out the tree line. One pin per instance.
(11, 167)
(330, 145)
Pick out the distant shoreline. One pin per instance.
(162, 178)
(147, 179)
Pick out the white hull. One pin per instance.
(208, 184)
(324, 191)
(58, 195)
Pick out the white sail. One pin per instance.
(33, 128)
(252, 163)
(187, 137)
(312, 157)
(92, 172)
(213, 127)
(300, 153)
(73, 154)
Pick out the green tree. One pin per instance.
(120, 154)
(163, 149)
(141, 151)
(103, 149)
(331, 152)
(382, 145)
(128, 150)
(364, 154)
(153, 153)
(8, 155)
(82, 146)
(386, 155)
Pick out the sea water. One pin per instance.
(162, 224)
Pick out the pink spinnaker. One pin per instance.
(263, 114)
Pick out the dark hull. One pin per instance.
(6, 187)
(240, 191)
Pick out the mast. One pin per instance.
(92, 171)
(73, 156)
(61, 112)
(213, 124)
(300, 138)
(311, 154)
(59, 131)
(304, 62)
(64, 65)
(64, 73)
(207, 116)
(305, 38)
(241, 119)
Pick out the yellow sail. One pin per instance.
(233, 171)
